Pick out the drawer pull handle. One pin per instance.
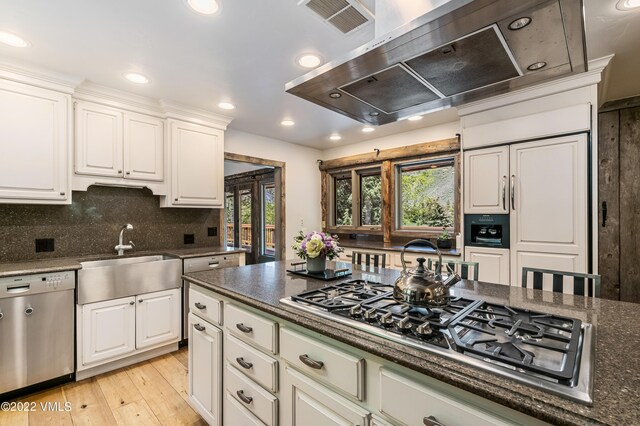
(200, 306)
(431, 421)
(244, 398)
(244, 364)
(311, 362)
(244, 328)
(198, 327)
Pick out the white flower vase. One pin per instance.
(316, 265)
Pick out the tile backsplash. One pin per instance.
(91, 225)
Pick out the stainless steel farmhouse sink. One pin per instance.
(127, 276)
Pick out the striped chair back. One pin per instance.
(377, 260)
(464, 269)
(583, 284)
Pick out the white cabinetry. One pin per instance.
(494, 263)
(485, 180)
(158, 318)
(545, 196)
(205, 369)
(108, 329)
(115, 329)
(197, 165)
(118, 144)
(35, 145)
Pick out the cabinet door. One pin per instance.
(98, 140)
(34, 135)
(306, 402)
(485, 180)
(158, 318)
(205, 369)
(197, 162)
(108, 329)
(493, 264)
(549, 205)
(143, 147)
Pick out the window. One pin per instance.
(370, 199)
(228, 212)
(268, 219)
(426, 195)
(343, 200)
(245, 218)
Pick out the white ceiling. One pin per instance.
(244, 54)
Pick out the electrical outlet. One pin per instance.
(189, 238)
(212, 231)
(45, 245)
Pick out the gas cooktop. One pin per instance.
(547, 351)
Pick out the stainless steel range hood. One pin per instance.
(459, 51)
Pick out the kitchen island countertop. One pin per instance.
(617, 368)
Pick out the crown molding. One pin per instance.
(93, 92)
(193, 115)
(38, 77)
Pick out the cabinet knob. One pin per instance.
(140, 300)
(63, 194)
(119, 172)
(128, 173)
(200, 306)
(132, 303)
(175, 199)
(198, 327)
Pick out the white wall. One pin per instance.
(302, 179)
(427, 134)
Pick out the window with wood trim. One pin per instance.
(426, 195)
(356, 199)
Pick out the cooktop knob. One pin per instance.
(355, 311)
(371, 314)
(404, 324)
(387, 319)
(424, 329)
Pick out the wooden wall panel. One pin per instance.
(608, 193)
(630, 204)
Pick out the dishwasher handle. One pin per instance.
(19, 288)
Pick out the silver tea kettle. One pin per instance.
(421, 287)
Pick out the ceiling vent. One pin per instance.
(344, 15)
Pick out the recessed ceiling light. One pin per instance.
(627, 4)
(415, 118)
(335, 137)
(374, 114)
(205, 7)
(519, 23)
(309, 60)
(335, 95)
(136, 78)
(12, 40)
(368, 129)
(287, 122)
(536, 66)
(226, 105)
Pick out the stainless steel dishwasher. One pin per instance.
(36, 329)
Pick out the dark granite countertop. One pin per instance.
(379, 245)
(617, 366)
(73, 263)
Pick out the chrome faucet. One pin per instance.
(120, 248)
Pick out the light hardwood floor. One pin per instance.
(153, 392)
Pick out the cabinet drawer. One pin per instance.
(251, 396)
(410, 403)
(261, 368)
(236, 415)
(333, 366)
(211, 262)
(252, 328)
(205, 306)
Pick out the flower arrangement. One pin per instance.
(315, 244)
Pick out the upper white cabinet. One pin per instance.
(118, 144)
(196, 165)
(486, 180)
(34, 145)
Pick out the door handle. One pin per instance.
(244, 328)
(513, 192)
(200, 306)
(246, 399)
(244, 364)
(311, 362)
(198, 327)
(604, 214)
(504, 192)
(431, 421)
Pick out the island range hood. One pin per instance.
(457, 52)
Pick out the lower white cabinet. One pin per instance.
(158, 318)
(115, 329)
(235, 414)
(307, 403)
(205, 369)
(493, 263)
(108, 329)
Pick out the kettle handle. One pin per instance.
(421, 241)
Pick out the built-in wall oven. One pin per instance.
(486, 230)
